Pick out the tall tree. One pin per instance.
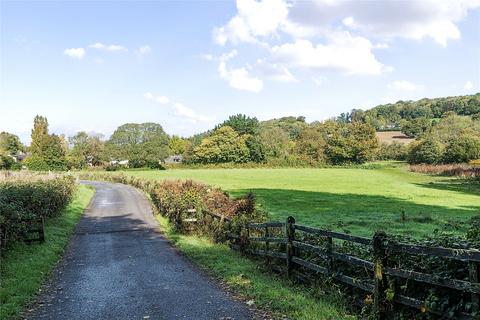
(242, 124)
(39, 135)
(86, 149)
(224, 145)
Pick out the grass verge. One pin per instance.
(247, 279)
(23, 268)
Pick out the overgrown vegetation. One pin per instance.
(26, 197)
(25, 267)
(469, 171)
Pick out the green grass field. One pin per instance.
(353, 200)
(24, 267)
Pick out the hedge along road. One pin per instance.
(119, 266)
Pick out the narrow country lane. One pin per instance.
(118, 266)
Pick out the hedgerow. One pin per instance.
(25, 197)
(190, 205)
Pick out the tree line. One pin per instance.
(288, 141)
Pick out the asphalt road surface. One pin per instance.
(118, 266)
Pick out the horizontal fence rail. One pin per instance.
(289, 247)
(283, 245)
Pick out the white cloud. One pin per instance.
(346, 53)
(178, 109)
(403, 85)
(435, 19)
(468, 85)
(159, 99)
(77, 53)
(143, 50)
(274, 71)
(348, 21)
(189, 114)
(254, 19)
(111, 47)
(238, 78)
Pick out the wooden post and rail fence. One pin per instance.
(259, 240)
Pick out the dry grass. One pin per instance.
(458, 170)
(391, 136)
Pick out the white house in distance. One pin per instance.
(178, 158)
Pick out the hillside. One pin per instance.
(393, 115)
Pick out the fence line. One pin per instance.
(289, 247)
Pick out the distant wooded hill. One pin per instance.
(393, 115)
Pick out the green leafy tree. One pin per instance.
(416, 127)
(55, 153)
(224, 145)
(6, 161)
(276, 142)
(48, 152)
(291, 125)
(462, 149)
(10, 143)
(39, 136)
(178, 145)
(256, 149)
(242, 124)
(310, 145)
(144, 144)
(351, 143)
(86, 149)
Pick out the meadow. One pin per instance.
(354, 200)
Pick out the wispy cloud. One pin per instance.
(403, 85)
(178, 109)
(143, 50)
(77, 53)
(111, 47)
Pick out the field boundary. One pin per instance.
(281, 244)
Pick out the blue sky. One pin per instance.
(189, 64)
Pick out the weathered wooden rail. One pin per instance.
(284, 243)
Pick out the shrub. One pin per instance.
(392, 151)
(429, 151)
(36, 163)
(462, 149)
(26, 196)
(6, 162)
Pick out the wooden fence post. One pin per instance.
(330, 255)
(267, 244)
(380, 256)
(290, 229)
(244, 235)
(474, 275)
